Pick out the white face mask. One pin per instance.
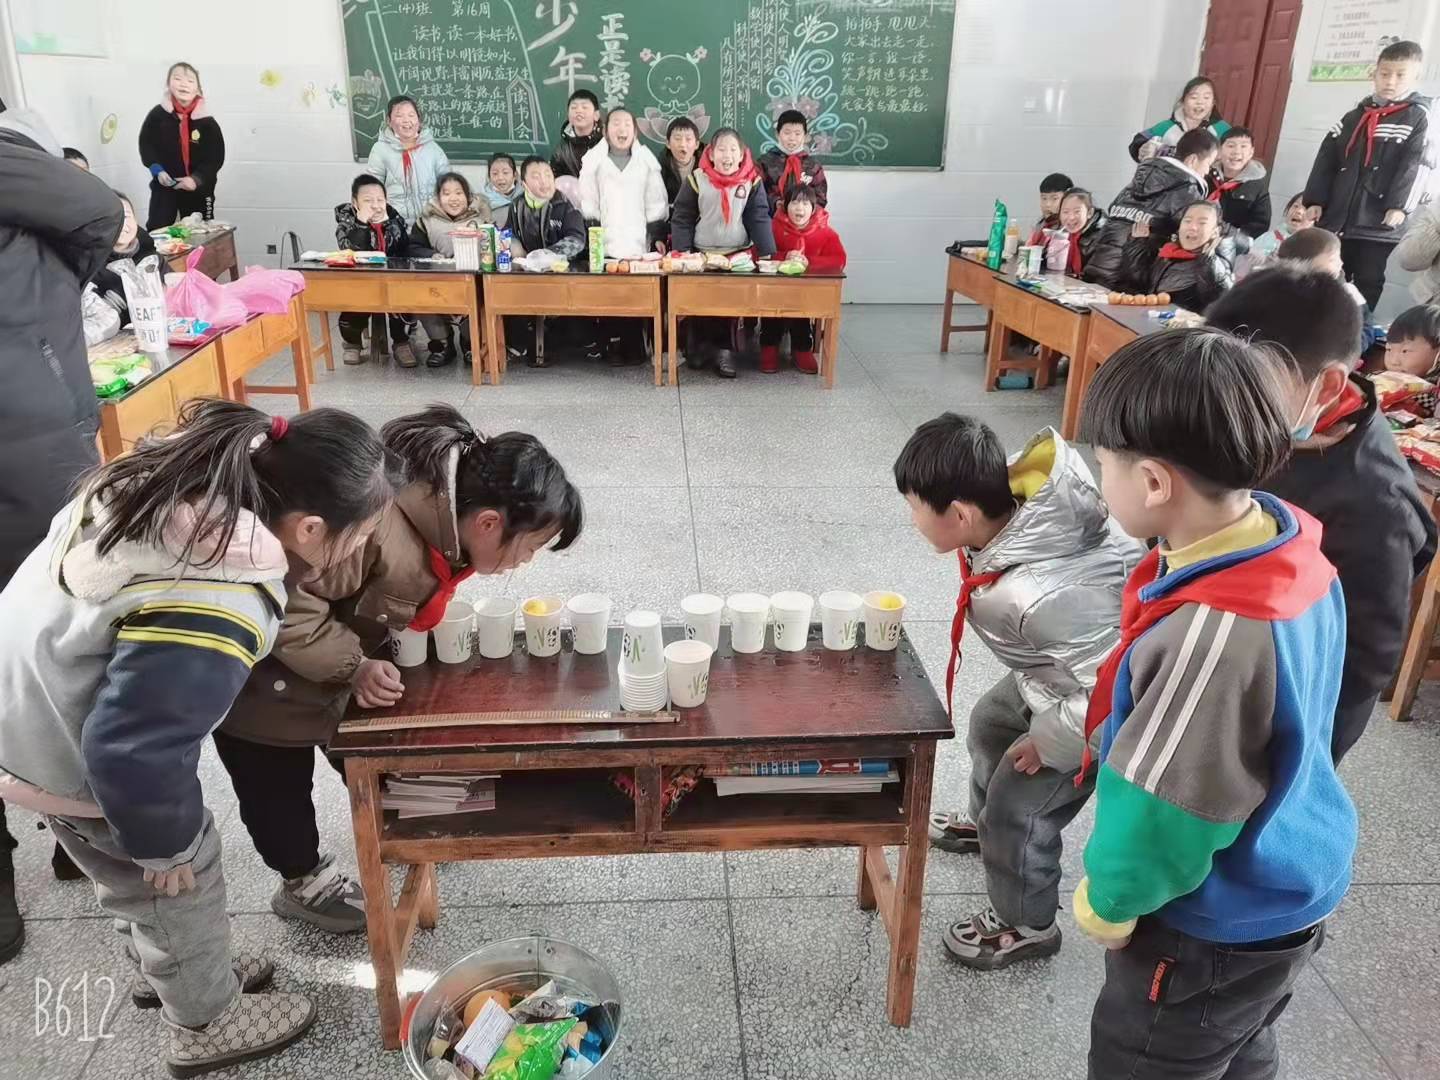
(1305, 429)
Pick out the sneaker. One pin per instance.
(351, 357)
(255, 973)
(593, 352)
(443, 357)
(64, 867)
(523, 356)
(324, 897)
(986, 943)
(806, 362)
(953, 830)
(769, 359)
(254, 1026)
(405, 355)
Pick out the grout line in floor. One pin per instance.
(689, 493)
(1345, 1008)
(735, 968)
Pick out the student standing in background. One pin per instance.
(181, 145)
(1196, 109)
(406, 158)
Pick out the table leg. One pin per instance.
(945, 326)
(995, 353)
(109, 435)
(658, 352)
(1045, 368)
(830, 356)
(1076, 385)
(495, 348)
(904, 923)
(864, 890)
(367, 818)
(429, 910)
(301, 354)
(477, 377)
(1417, 648)
(329, 344)
(674, 363)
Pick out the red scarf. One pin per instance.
(378, 228)
(968, 585)
(1223, 187)
(1173, 250)
(1075, 259)
(1369, 122)
(794, 167)
(182, 112)
(723, 183)
(1351, 401)
(429, 616)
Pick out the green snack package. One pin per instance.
(530, 1052)
(995, 251)
(792, 268)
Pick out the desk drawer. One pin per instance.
(1057, 327)
(278, 331)
(144, 411)
(243, 348)
(447, 297)
(340, 290)
(198, 376)
(1015, 308)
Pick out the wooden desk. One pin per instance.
(401, 287)
(972, 278)
(218, 257)
(1111, 327)
(246, 347)
(765, 296)
(177, 376)
(1060, 330)
(554, 797)
(1421, 660)
(576, 292)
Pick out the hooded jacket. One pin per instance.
(351, 235)
(1157, 195)
(1193, 283)
(570, 152)
(433, 229)
(160, 145)
(818, 241)
(772, 165)
(1419, 253)
(1052, 616)
(1357, 177)
(670, 170)
(1089, 238)
(407, 190)
(1245, 200)
(1167, 133)
(114, 669)
(629, 203)
(556, 226)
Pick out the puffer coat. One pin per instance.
(408, 190)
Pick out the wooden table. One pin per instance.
(1421, 660)
(177, 375)
(765, 296)
(1111, 327)
(401, 287)
(218, 257)
(972, 278)
(246, 347)
(575, 292)
(554, 797)
(1060, 330)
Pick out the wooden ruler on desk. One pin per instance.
(504, 719)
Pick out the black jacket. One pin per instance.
(572, 150)
(1158, 194)
(351, 235)
(107, 281)
(1193, 284)
(57, 227)
(1356, 195)
(1245, 201)
(160, 145)
(1379, 536)
(772, 167)
(671, 172)
(1090, 238)
(557, 226)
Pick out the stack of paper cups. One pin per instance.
(791, 611)
(687, 667)
(883, 612)
(543, 616)
(748, 615)
(496, 621)
(702, 618)
(840, 613)
(644, 686)
(454, 641)
(589, 622)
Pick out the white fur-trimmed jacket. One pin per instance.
(630, 203)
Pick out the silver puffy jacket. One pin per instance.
(1055, 615)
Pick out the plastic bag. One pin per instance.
(147, 301)
(543, 261)
(532, 1052)
(199, 297)
(546, 1004)
(995, 251)
(266, 292)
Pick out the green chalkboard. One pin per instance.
(494, 75)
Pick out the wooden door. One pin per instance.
(1272, 78)
(1247, 53)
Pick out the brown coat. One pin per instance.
(297, 695)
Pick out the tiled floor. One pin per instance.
(756, 965)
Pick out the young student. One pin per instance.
(453, 207)
(1083, 225)
(105, 299)
(501, 188)
(580, 135)
(1268, 243)
(368, 223)
(75, 157)
(723, 209)
(788, 166)
(1319, 249)
(1041, 569)
(1413, 342)
(407, 158)
(542, 220)
(124, 638)
(802, 229)
(1148, 209)
(1191, 268)
(1242, 185)
(1195, 111)
(182, 146)
(1052, 190)
(1345, 470)
(1373, 168)
(474, 505)
(1223, 837)
(682, 149)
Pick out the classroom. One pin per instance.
(759, 540)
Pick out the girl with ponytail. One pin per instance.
(473, 505)
(124, 639)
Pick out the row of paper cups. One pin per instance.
(489, 627)
(841, 614)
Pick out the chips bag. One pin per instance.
(532, 1052)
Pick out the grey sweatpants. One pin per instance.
(183, 941)
(441, 328)
(1019, 817)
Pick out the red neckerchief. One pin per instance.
(819, 220)
(1350, 401)
(1279, 584)
(407, 167)
(723, 183)
(429, 616)
(968, 585)
(378, 228)
(1173, 250)
(794, 166)
(1075, 260)
(1369, 122)
(1223, 187)
(1038, 236)
(182, 112)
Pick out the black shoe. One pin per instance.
(469, 358)
(64, 867)
(528, 357)
(12, 927)
(593, 351)
(725, 364)
(444, 358)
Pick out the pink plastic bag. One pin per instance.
(196, 296)
(266, 292)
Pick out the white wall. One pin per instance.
(1017, 111)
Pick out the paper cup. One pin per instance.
(840, 614)
(643, 693)
(702, 618)
(748, 614)
(687, 667)
(453, 637)
(590, 622)
(543, 618)
(791, 612)
(883, 612)
(495, 619)
(642, 650)
(412, 647)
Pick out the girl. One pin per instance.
(804, 230)
(723, 209)
(1292, 222)
(124, 638)
(1196, 108)
(132, 244)
(453, 207)
(474, 506)
(1082, 224)
(181, 145)
(1190, 268)
(406, 158)
(500, 187)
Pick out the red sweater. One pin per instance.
(818, 241)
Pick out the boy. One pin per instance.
(1041, 569)
(76, 158)
(789, 166)
(1373, 167)
(580, 134)
(682, 149)
(1243, 188)
(500, 188)
(1192, 268)
(1413, 344)
(1223, 837)
(1319, 249)
(368, 223)
(1052, 191)
(541, 219)
(1345, 471)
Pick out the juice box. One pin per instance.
(597, 249)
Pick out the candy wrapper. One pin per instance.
(114, 377)
(532, 1052)
(1394, 388)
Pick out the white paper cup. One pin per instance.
(840, 614)
(791, 612)
(589, 621)
(644, 693)
(643, 647)
(454, 640)
(495, 619)
(687, 666)
(702, 618)
(883, 614)
(748, 614)
(411, 647)
(543, 618)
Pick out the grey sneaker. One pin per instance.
(324, 897)
(254, 972)
(254, 1026)
(952, 830)
(405, 355)
(985, 942)
(351, 356)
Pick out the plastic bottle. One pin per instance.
(1012, 240)
(503, 261)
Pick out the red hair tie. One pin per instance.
(278, 426)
